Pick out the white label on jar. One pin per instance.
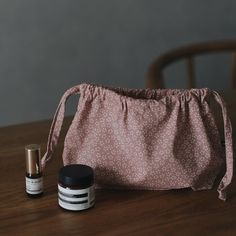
(34, 186)
(92, 193)
(76, 199)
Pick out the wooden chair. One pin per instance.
(187, 53)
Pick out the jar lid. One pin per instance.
(76, 175)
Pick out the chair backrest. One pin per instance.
(155, 71)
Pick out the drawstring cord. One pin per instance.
(57, 122)
(227, 178)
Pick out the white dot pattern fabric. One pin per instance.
(146, 139)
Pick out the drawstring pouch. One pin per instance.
(153, 139)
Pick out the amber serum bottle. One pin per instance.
(33, 176)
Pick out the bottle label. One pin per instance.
(34, 186)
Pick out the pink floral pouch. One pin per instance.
(146, 138)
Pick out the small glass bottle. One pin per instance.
(76, 187)
(33, 176)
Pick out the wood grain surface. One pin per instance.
(174, 212)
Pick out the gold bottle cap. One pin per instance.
(33, 158)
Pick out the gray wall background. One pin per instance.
(49, 46)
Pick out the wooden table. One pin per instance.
(175, 212)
